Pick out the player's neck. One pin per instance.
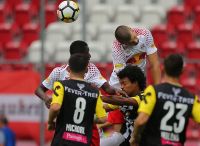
(172, 80)
(75, 76)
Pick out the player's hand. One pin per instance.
(47, 102)
(121, 92)
(51, 126)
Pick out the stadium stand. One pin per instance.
(175, 26)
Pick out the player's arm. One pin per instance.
(153, 58)
(155, 67)
(145, 110)
(118, 100)
(57, 99)
(195, 110)
(46, 85)
(101, 115)
(40, 92)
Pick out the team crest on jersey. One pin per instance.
(80, 86)
(176, 91)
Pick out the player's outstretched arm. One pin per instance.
(118, 100)
(40, 92)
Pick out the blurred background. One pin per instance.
(24, 24)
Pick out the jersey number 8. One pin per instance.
(80, 110)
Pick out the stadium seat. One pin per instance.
(193, 51)
(106, 32)
(30, 32)
(100, 14)
(4, 12)
(24, 13)
(50, 15)
(13, 3)
(141, 3)
(98, 51)
(152, 15)
(127, 14)
(117, 3)
(91, 32)
(6, 32)
(196, 22)
(34, 52)
(160, 34)
(168, 5)
(61, 53)
(175, 16)
(184, 34)
(167, 48)
(14, 51)
(61, 28)
(190, 5)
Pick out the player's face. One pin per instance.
(129, 87)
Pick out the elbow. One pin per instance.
(55, 107)
(102, 120)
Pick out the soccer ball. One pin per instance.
(68, 11)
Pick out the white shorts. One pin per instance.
(114, 140)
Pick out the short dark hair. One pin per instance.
(134, 74)
(122, 34)
(78, 63)
(3, 119)
(173, 65)
(78, 46)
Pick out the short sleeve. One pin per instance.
(53, 76)
(150, 46)
(195, 110)
(100, 111)
(118, 56)
(148, 103)
(58, 93)
(94, 76)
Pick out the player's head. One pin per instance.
(126, 36)
(173, 65)
(79, 47)
(3, 120)
(78, 63)
(132, 79)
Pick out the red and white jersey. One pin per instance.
(60, 73)
(136, 55)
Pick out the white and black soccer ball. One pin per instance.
(68, 11)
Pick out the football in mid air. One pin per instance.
(68, 11)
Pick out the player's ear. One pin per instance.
(68, 69)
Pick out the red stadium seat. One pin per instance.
(175, 16)
(184, 34)
(167, 48)
(51, 15)
(193, 51)
(30, 32)
(6, 33)
(13, 3)
(4, 12)
(197, 19)
(14, 51)
(160, 34)
(24, 13)
(191, 4)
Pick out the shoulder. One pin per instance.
(60, 69)
(92, 67)
(141, 31)
(116, 45)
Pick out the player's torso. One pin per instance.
(172, 110)
(74, 123)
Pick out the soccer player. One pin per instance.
(165, 112)
(133, 46)
(92, 75)
(133, 82)
(73, 106)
